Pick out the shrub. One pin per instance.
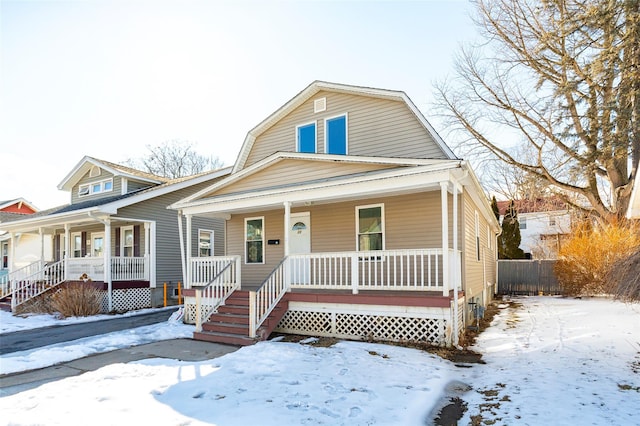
(77, 299)
(625, 276)
(586, 259)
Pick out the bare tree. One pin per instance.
(174, 159)
(564, 76)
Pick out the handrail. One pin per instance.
(21, 273)
(218, 289)
(268, 295)
(37, 283)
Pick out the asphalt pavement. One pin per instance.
(45, 336)
(180, 349)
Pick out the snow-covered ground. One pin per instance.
(553, 361)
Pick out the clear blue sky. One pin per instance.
(107, 78)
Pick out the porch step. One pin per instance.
(5, 304)
(227, 338)
(230, 324)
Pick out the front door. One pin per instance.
(97, 244)
(300, 243)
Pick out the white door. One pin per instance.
(97, 244)
(300, 243)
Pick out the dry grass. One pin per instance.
(587, 259)
(76, 300)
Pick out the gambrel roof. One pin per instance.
(318, 86)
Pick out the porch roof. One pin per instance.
(389, 181)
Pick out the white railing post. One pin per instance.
(237, 272)
(445, 237)
(198, 309)
(355, 277)
(252, 314)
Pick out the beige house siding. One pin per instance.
(411, 221)
(117, 187)
(376, 127)
(477, 272)
(297, 171)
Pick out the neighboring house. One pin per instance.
(346, 215)
(117, 232)
(12, 210)
(634, 204)
(545, 223)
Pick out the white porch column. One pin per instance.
(287, 225)
(12, 252)
(107, 262)
(41, 232)
(182, 252)
(445, 238)
(151, 233)
(67, 248)
(457, 265)
(187, 283)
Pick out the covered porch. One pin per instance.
(111, 252)
(397, 273)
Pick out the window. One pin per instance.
(127, 241)
(477, 236)
(205, 243)
(523, 222)
(95, 187)
(336, 135)
(254, 240)
(306, 137)
(370, 227)
(5, 256)
(76, 240)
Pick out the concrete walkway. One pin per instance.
(180, 349)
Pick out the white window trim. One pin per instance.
(88, 188)
(211, 236)
(246, 257)
(72, 246)
(4, 246)
(315, 135)
(346, 131)
(123, 240)
(382, 224)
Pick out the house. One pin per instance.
(346, 215)
(116, 232)
(545, 223)
(11, 210)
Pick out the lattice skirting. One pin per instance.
(190, 311)
(378, 324)
(127, 299)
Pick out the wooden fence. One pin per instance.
(527, 277)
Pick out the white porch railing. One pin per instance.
(39, 282)
(17, 275)
(411, 270)
(93, 267)
(204, 269)
(265, 299)
(130, 268)
(225, 279)
(406, 270)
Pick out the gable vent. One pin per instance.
(320, 105)
(95, 171)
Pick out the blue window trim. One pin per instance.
(343, 123)
(306, 130)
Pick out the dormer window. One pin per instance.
(306, 138)
(95, 187)
(336, 135)
(95, 171)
